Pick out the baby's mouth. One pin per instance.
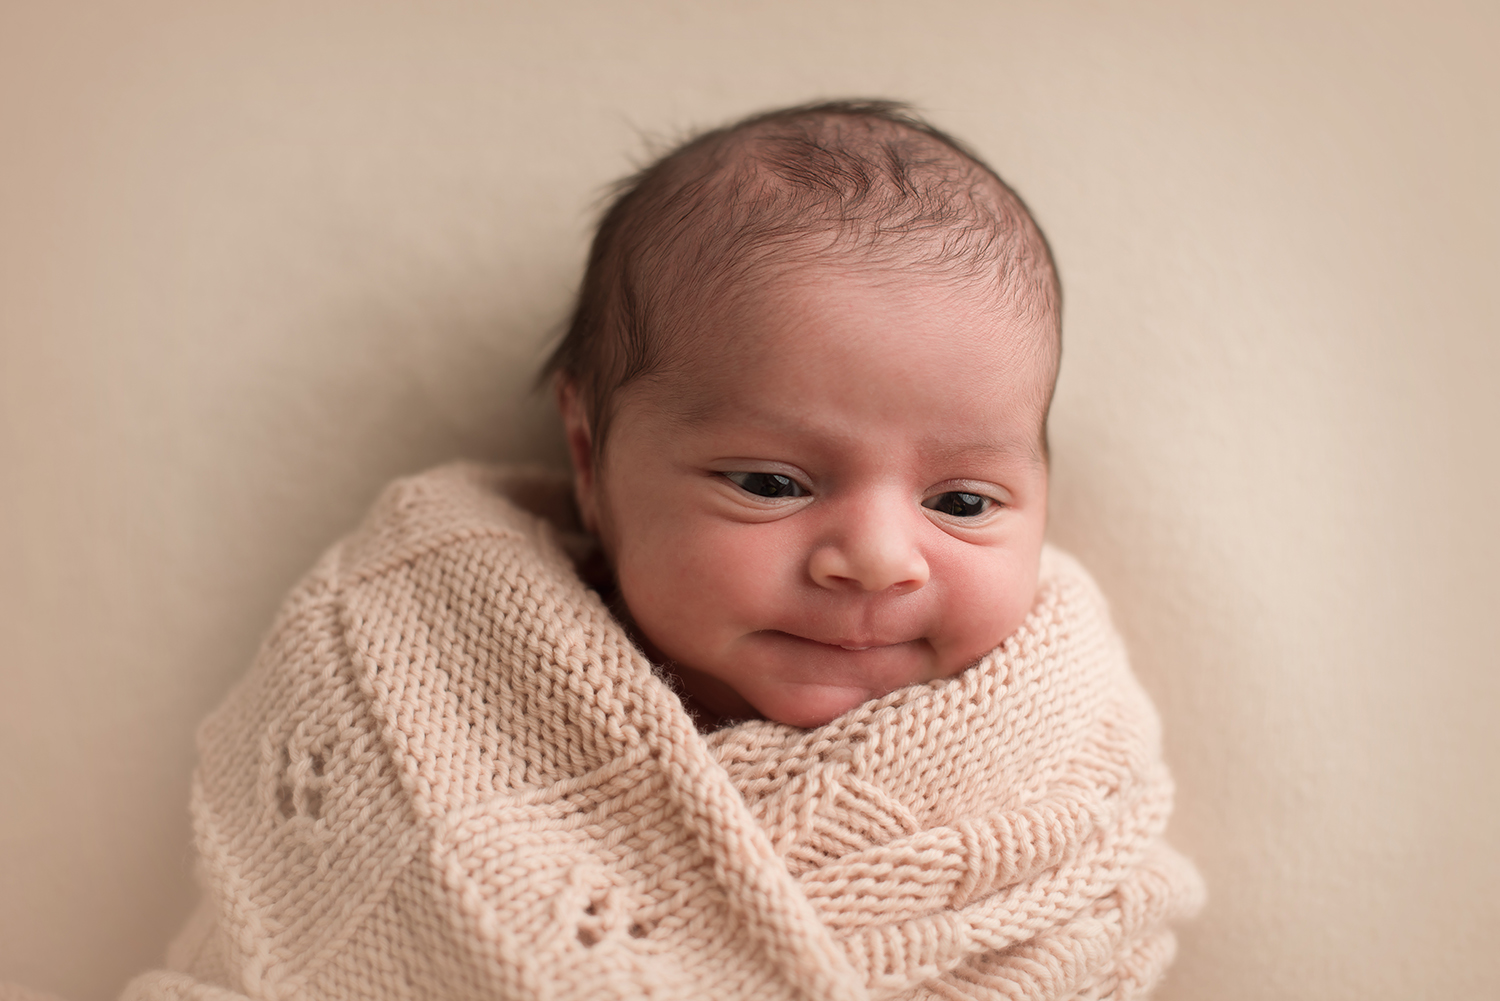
(872, 664)
(859, 645)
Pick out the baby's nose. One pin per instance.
(871, 553)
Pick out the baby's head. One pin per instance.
(805, 392)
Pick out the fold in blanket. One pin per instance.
(450, 774)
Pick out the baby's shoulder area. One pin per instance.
(431, 549)
(359, 643)
(1069, 632)
(1065, 588)
(456, 506)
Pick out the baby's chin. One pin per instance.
(810, 706)
(843, 682)
(801, 705)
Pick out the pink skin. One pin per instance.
(878, 395)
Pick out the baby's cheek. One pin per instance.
(694, 586)
(741, 568)
(987, 595)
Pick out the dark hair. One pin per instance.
(860, 176)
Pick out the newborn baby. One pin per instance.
(806, 395)
(792, 704)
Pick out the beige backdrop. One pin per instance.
(257, 258)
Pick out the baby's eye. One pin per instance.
(959, 504)
(767, 484)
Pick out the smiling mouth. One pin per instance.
(872, 665)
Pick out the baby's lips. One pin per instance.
(859, 646)
(852, 643)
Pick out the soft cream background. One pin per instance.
(256, 259)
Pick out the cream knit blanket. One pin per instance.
(450, 775)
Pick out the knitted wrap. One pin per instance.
(451, 775)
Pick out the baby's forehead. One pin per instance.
(707, 321)
(828, 327)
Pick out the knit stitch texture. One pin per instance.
(450, 774)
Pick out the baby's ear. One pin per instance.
(575, 420)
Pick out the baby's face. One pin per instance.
(839, 493)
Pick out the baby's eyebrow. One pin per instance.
(948, 450)
(689, 409)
